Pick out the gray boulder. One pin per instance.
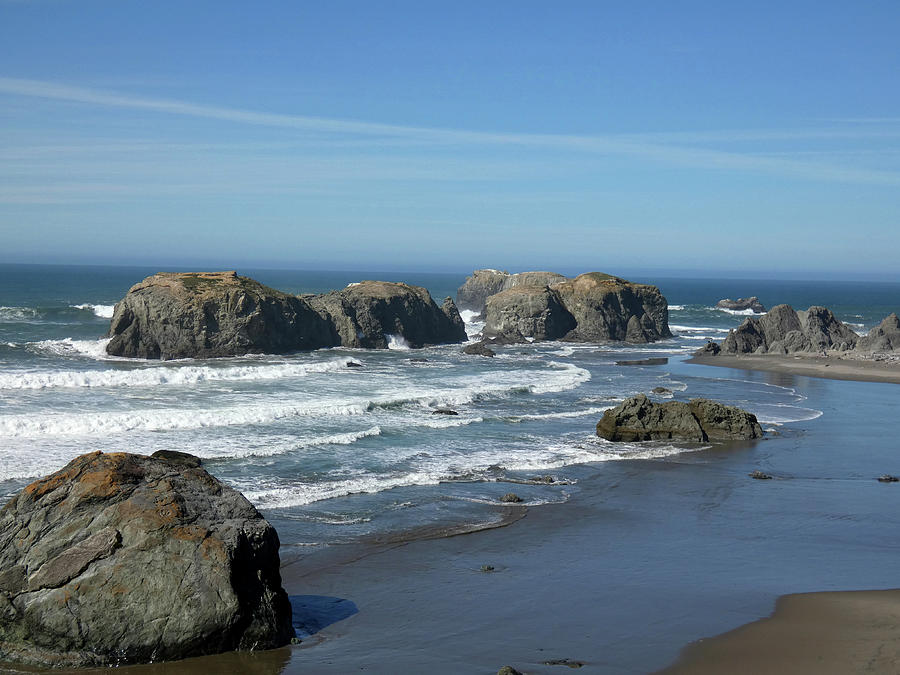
(365, 314)
(742, 304)
(180, 315)
(885, 337)
(784, 331)
(700, 420)
(121, 558)
(527, 311)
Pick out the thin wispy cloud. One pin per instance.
(632, 146)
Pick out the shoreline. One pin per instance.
(826, 632)
(828, 367)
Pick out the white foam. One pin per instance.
(447, 422)
(95, 349)
(737, 312)
(676, 308)
(468, 315)
(272, 449)
(561, 415)
(775, 413)
(397, 342)
(17, 313)
(103, 311)
(699, 329)
(557, 377)
(154, 376)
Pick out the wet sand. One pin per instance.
(830, 367)
(814, 633)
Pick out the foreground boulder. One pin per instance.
(592, 307)
(203, 315)
(372, 314)
(180, 315)
(742, 305)
(700, 420)
(785, 331)
(121, 558)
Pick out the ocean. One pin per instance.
(332, 454)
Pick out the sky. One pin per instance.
(744, 139)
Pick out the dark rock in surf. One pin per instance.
(444, 411)
(759, 475)
(201, 315)
(511, 498)
(887, 478)
(354, 364)
(640, 419)
(368, 313)
(657, 361)
(661, 390)
(479, 349)
(742, 305)
(121, 558)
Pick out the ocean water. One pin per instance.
(333, 454)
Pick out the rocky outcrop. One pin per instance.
(784, 331)
(121, 558)
(482, 284)
(592, 307)
(528, 311)
(885, 337)
(742, 305)
(369, 313)
(700, 420)
(202, 315)
(180, 315)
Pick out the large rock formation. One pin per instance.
(593, 307)
(784, 331)
(482, 284)
(701, 420)
(181, 315)
(742, 305)
(121, 558)
(885, 337)
(368, 313)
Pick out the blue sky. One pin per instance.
(758, 139)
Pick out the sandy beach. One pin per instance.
(831, 367)
(821, 633)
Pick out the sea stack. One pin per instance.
(121, 558)
(213, 314)
(592, 307)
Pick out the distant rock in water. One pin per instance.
(742, 305)
(482, 284)
(784, 331)
(700, 420)
(181, 315)
(592, 307)
(121, 558)
(885, 337)
(202, 315)
(366, 314)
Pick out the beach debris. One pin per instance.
(487, 568)
(700, 420)
(511, 498)
(354, 364)
(570, 663)
(759, 475)
(655, 361)
(508, 670)
(444, 411)
(887, 478)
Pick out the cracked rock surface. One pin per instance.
(121, 558)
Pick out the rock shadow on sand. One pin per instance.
(312, 613)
